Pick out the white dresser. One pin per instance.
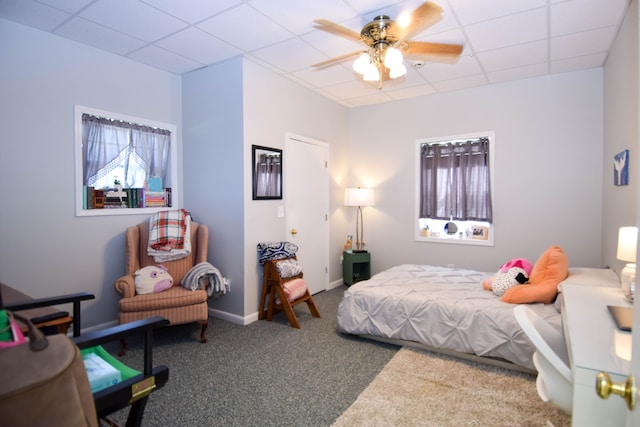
(595, 344)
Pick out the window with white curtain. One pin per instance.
(454, 197)
(123, 164)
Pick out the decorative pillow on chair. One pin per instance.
(288, 268)
(152, 279)
(549, 270)
(293, 289)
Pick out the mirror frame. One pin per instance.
(256, 151)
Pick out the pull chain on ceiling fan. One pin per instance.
(386, 42)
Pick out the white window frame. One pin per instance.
(175, 188)
(454, 239)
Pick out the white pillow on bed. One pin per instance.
(604, 277)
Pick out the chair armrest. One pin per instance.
(113, 333)
(62, 299)
(125, 286)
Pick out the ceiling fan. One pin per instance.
(387, 41)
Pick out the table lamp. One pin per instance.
(627, 246)
(359, 197)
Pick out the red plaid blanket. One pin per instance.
(167, 230)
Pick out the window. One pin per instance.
(124, 164)
(454, 197)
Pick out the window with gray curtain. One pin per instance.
(137, 151)
(455, 182)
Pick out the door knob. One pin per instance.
(293, 231)
(628, 389)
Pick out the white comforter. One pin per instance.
(442, 308)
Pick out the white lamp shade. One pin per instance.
(372, 74)
(397, 71)
(358, 197)
(361, 64)
(392, 57)
(627, 244)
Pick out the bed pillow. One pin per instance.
(551, 268)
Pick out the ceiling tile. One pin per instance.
(578, 63)
(584, 43)
(509, 30)
(290, 55)
(245, 28)
(134, 18)
(199, 46)
(466, 66)
(163, 59)
(297, 16)
(470, 12)
(514, 56)
(193, 11)
(517, 73)
(33, 14)
(582, 15)
(95, 35)
(462, 83)
(71, 6)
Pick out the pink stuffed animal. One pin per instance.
(512, 273)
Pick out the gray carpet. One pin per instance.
(269, 374)
(265, 373)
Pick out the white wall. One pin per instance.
(274, 106)
(620, 133)
(548, 169)
(45, 249)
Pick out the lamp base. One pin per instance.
(359, 251)
(628, 276)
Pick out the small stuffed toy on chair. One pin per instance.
(512, 273)
(152, 279)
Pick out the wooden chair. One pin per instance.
(273, 289)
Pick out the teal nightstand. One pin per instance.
(355, 267)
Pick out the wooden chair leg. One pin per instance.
(263, 298)
(286, 306)
(312, 306)
(123, 347)
(204, 324)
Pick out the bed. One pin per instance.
(447, 310)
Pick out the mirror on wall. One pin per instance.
(267, 172)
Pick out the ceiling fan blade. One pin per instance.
(422, 18)
(439, 50)
(337, 59)
(338, 30)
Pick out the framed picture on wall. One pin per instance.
(621, 168)
(267, 172)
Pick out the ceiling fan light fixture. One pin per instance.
(397, 71)
(361, 64)
(372, 74)
(392, 57)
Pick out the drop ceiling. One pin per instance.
(503, 39)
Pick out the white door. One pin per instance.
(306, 191)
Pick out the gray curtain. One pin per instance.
(268, 172)
(455, 181)
(107, 143)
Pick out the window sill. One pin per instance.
(454, 241)
(121, 211)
